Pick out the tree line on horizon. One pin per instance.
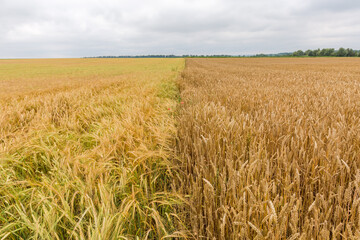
(327, 52)
(172, 56)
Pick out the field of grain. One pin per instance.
(245, 148)
(270, 148)
(86, 148)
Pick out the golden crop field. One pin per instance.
(240, 148)
(86, 148)
(270, 148)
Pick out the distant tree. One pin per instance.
(322, 52)
(330, 52)
(317, 52)
(309, 53)
(261, 55)
(298, 53)
(341, 52)
(350, 52)
(327, 52)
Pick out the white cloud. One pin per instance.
(76, 28)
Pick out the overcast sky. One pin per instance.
(77, 28)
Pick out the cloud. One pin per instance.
(76, 28)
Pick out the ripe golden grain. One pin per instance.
(271, 148)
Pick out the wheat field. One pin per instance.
(86, 149)
(243, 148)
(270, 148)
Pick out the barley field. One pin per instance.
(86, 148)
(270, 148)
(240, 148)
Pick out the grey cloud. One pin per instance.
(334, 5)
(76, 28)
